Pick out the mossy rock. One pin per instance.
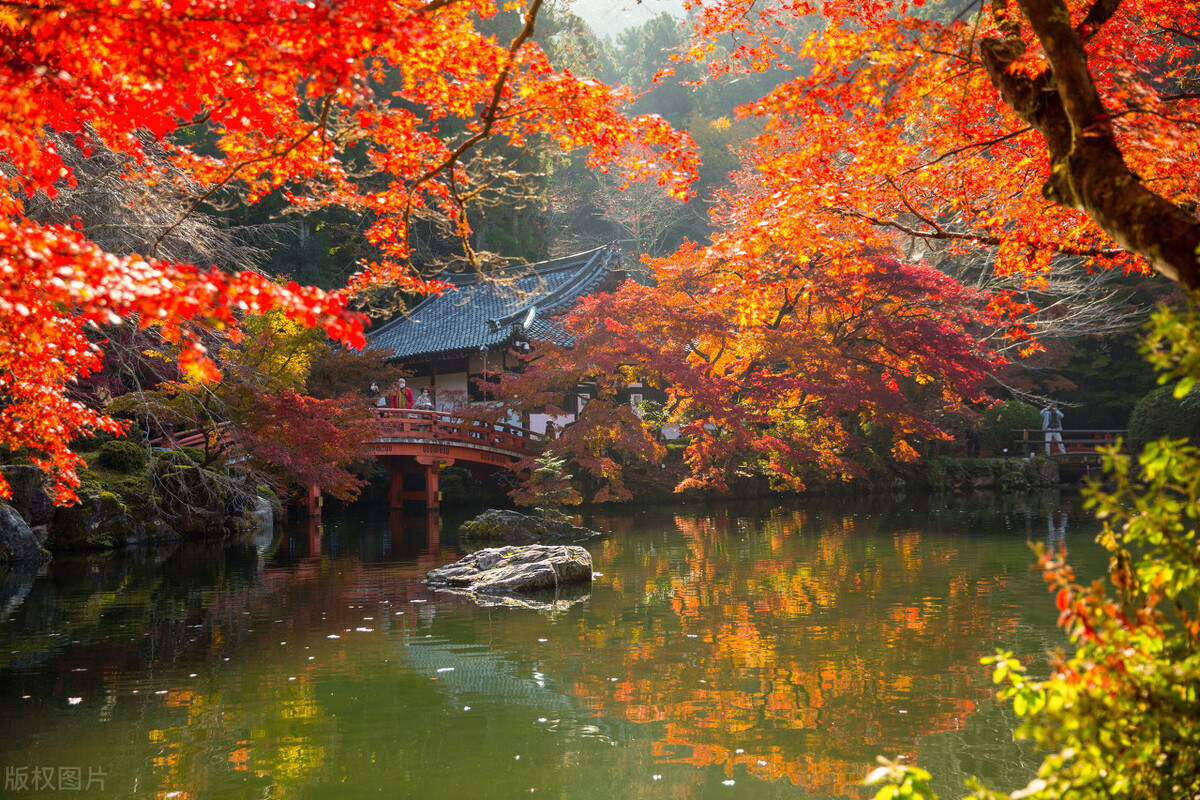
(198, 502)
(137, 495)
(89, 483)
(501, 525)
(272, 498)
(178, 457)
(97, 522)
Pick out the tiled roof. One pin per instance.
(490, 313)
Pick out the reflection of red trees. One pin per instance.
(796, 631)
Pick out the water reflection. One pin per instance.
(743, 650)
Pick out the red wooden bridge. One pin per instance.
(426, 442)
(412, 443)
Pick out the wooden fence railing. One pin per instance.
(398, 423)
(1074, 440)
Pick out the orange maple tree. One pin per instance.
(1045, 131)
(254, 97)
(783, 363)
(1035, 127)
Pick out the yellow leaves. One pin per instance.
(903, 452)
(11, 18)
(197, 368)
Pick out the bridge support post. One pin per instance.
(315, 501)
(396, 486)
(432, 495)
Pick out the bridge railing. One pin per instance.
(408, 423)
(220, 435)
(1074, 440)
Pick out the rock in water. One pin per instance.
(513, 527)
(516, 569)
(17, 540)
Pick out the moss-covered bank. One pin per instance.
(165, 497)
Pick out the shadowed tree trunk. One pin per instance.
(1088, 169)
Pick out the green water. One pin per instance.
(727, 652)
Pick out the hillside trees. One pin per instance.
(289, 97)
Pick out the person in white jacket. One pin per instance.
(1052, 424)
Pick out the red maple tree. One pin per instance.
(286, 97)
(783, 364)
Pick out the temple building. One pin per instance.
(450, 341)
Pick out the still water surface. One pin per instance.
(741, 651)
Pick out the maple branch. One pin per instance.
(489, 115)
(200, 120)
(966, 147)
(320, 125)
(1184, 34)
(1087, 168)
(788, 306)
(995, 241)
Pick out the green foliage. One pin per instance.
(99, 541)
(999, 421)
(548, 487)
(123, 455)
(900, 781)
(1173, 344)
(82, 444)
(1120, 716)
(1161, 414)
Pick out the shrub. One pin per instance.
(1160, 414)
(548, 487)
(999, 421)
(122, 455)
(82, 444)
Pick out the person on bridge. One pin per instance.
(1052, 424)
(424, 402)
(402, 397)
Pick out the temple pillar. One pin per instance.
(433, 531)
(315, 501)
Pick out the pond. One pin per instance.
(727, 651)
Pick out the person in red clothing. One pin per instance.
(402, 397)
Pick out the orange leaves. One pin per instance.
(893, 131)
(250, 97)
(1062, 599)
(775, 359)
